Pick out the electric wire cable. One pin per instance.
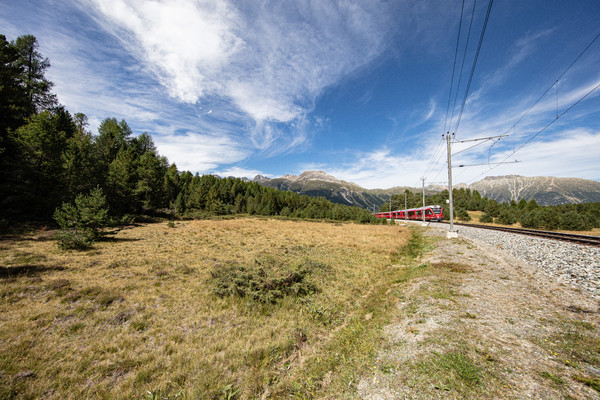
(538, 100)
(555, 82)
(454, 64)
(483, 29)
(462, 67)
(433, 160)
(542, 130)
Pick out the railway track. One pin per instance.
(567, 237)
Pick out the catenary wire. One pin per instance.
(555, 82)
(541, 130)
(454, 64)
(539, 99)
(487, 17)
(463, 62)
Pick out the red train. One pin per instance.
(432, 213)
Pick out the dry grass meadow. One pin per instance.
(136, 317)
(330, 311)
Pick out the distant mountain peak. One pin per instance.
(501, 177)
(312, 176)
(261, 178)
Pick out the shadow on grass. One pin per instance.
(109, 239)
(27, 270)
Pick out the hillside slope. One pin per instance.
(545, 190)
(320, 184)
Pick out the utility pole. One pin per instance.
(405, 207)
(451, 233)
(423, 212)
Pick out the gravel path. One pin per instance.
(575, 264)
(483, 304)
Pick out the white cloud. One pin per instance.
(186, 43)
(200, 153)
(239, 172)
(382, 169)
(270, 60)
(574, 153)
(432, 108)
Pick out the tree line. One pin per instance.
(528, 213)
(49, 159)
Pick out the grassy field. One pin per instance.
(158, 311)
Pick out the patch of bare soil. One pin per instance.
(472, 322)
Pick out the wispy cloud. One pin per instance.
(200, 152)
(270, 61)
(569, 153)
(381, 169)
(238, 172)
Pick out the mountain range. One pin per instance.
(546, 190)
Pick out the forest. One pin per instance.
(50, 159)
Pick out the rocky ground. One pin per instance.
(575, 264)
(476, 322)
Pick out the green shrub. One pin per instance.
(72, 240)
(463, 215)
(266, 281)
(591, 220)
(82, 222)
(572, 221)
(549, 218)
(530, 219)
(506, 217)
(446, 213)
(486, 218)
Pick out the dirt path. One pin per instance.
(473, 322)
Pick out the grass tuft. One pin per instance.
(266, 281)
(594, 383)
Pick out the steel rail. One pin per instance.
(568, 237)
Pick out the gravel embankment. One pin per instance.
(570, 263)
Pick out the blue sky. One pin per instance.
(359, 89)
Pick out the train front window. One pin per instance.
(436, 210)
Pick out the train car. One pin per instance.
(432, 213)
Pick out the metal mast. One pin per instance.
(423, 212)
(450, 201)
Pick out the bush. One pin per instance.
(486, 218)
(591, 220)
(506, 217)
(267, 281)
(73, 240)
(530, 220)
(549, 218)
(446, 213)
(463, 215)
(572, 221)
(82, 223)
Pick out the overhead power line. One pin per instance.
(543, 129)
(555, 82)
(558, 116)
(487, 17)
(454, 64)
(462, 66)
